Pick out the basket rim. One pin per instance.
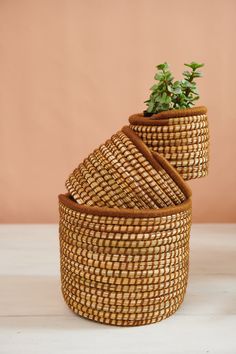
(157, 160)
(68, 201)
(162, 117)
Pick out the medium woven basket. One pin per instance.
(181, 136)
(124, 235)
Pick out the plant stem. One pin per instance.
(188, 90)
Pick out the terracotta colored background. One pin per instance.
(71, 72)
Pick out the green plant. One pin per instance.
(169, 94)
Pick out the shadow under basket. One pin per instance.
(122, 266)
(181, 136)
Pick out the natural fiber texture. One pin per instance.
(181, 136)
(133, 271)
(119, 174)
(124, 234)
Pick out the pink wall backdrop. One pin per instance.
(72, 71)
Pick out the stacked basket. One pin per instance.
(181, 136)
(124, 234)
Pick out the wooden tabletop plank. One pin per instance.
(34, 318)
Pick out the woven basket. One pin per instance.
(181, 136)
(124, 235)
(124, 173)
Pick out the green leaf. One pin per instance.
(159, 76)
(187, 84)
(193, 65)
(177, 90)
(154, 87)
(197, 74)
(163, 66)
(187, 74)
(168, 76)
(150, 106)
(165, 99)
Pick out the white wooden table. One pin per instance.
(34, 318)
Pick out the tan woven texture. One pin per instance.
(182, 137)
(124, 234)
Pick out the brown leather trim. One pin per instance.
(174, 174)
(162, 117)
(68, 201)
(157, 161)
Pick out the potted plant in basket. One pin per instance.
(173, 125)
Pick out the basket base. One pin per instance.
(91, 315)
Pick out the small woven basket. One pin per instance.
(124, 235)
(181, 136)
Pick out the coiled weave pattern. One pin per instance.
(124, 234)
(181, 136)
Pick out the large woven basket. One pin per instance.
(124, 235)
(181, 136)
